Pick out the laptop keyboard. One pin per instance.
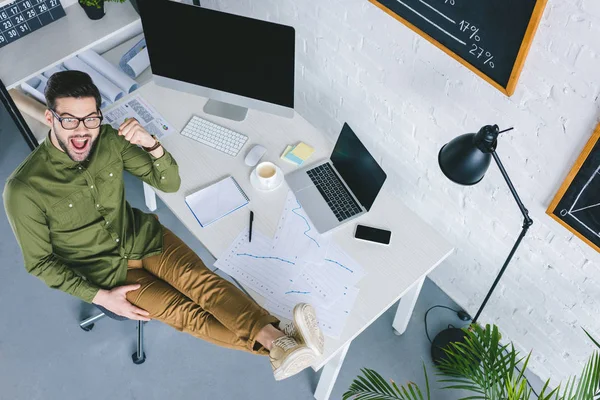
(334, 192)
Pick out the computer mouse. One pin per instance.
(254, 155)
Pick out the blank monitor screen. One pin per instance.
(221, 51)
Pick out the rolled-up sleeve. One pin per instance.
(161, 173)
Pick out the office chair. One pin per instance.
(88, 324)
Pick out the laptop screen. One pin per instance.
(357, 167)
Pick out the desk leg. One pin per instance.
(150, 197)
(330, 374)
(406, 307)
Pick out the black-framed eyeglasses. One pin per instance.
(71, 123)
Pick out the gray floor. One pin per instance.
(45, 355)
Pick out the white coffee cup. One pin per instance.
(266, 172)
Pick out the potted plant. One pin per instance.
(95, 8)
(487, 369)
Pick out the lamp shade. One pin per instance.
(466, 158)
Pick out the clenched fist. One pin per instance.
(134, 133)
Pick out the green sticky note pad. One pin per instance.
(287, 150)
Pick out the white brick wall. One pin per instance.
(405, 98)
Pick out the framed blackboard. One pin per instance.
(576, 206)
(490, 37)
(21, 17)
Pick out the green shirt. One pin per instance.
(71, 219)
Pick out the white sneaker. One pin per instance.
(305, 328)
(288, 357)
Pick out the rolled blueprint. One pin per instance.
(139, 62)
(35, 87)
(136, 60)
(108, 70)
(105, 102)
(51, 71)
(106, 87)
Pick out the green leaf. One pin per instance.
(483, 366)
(379, 382)
(486, 369)
(586, 387)
(426, 382)
(592, 339)
(372, 386)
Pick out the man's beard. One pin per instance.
(77, 157)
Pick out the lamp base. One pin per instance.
(443, 340)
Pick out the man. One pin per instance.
(66, 205)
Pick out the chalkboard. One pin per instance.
(576, 206)
(21, 17)
(490, 37)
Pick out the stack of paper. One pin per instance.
(297, 154)
(297, 266)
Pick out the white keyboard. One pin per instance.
(215, 136)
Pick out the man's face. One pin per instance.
(77, 143)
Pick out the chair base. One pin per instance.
(138, 360)
(88, 323)
(139, 357)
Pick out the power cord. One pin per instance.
(462, 315)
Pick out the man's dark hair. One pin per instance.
(70, 84)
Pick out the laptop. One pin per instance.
(341, 188)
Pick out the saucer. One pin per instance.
(258, 186)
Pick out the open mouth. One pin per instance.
(80, 144)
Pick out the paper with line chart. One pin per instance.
(327, 269)
(331, 319)
(296, 236)
(254, 265)
(490, 37)
(330, 278)
(298, 265)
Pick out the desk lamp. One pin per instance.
(464, 160)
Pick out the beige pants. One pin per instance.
(178, 289)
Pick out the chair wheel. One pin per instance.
(87, 328)
(137, 360)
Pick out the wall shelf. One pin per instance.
(68, 36)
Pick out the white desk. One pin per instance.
(393, 272)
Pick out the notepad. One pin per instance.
(216, 201)
(297, 154)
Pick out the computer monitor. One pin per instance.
(237, 62)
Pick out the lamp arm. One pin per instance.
(526, 219)
(527, 222)
(510, 255)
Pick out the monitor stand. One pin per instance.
(225, 110)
